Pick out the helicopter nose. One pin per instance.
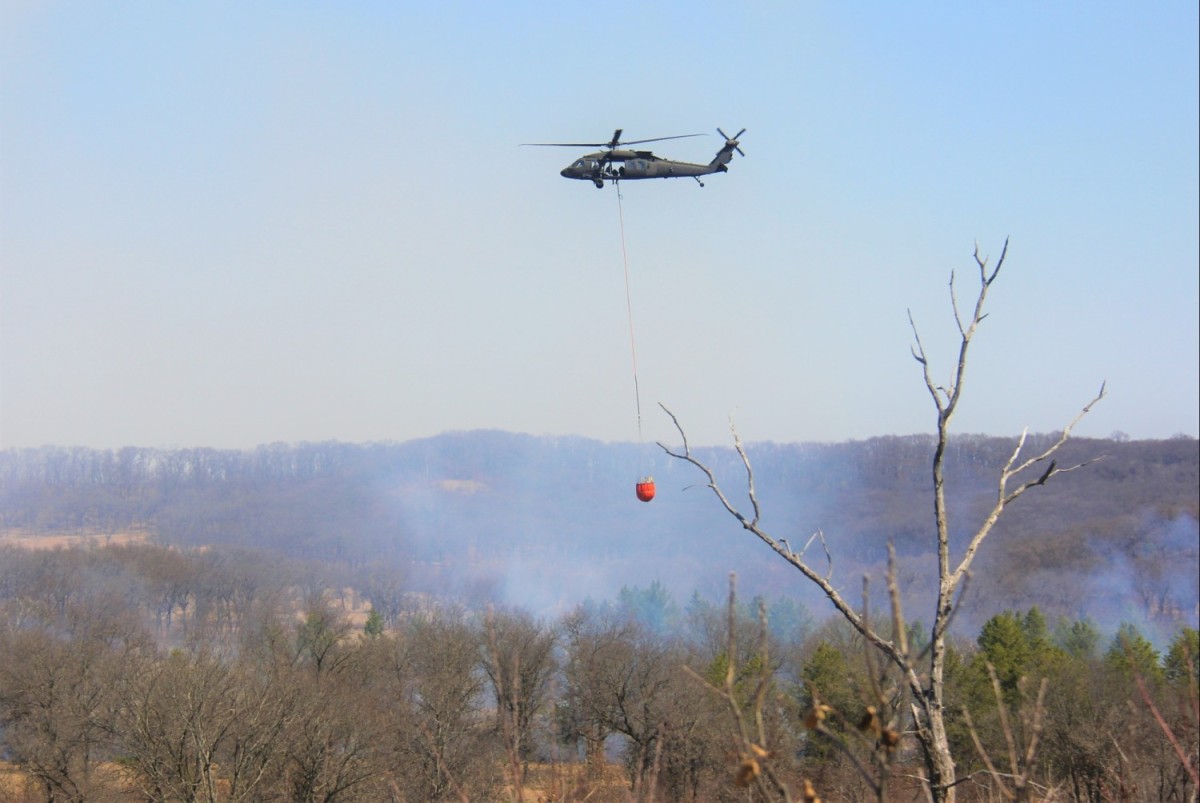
(565, 172)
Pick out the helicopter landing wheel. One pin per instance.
(599, 184)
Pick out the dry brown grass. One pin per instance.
(561, 783)
(14, 785)
(545, 783)
(25, 539)
(111, 784)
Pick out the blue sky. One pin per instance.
(226, 224)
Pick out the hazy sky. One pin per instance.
(226, 224)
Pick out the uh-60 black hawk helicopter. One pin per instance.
(617, 164)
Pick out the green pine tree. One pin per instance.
(1078, 639)
(1003, 643)
(828, 680)
(1183, 656)
(374, 624)
(1132, 653)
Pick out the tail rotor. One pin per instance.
(733, 140)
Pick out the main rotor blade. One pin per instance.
(567, 144)
(660, 139)
(611, 144)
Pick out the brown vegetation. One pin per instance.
(37, 539)
(140, 672)
(193, 668)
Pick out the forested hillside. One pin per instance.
(544, 522)
(141, 672)
(492, 616)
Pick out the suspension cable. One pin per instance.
(629, 306)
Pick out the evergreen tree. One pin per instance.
(1183, 656)
(652, 607)
(788, 620)
(1034, 627)
(1017, 647)
(1078, 639)
(374, 624)
(827, 677)
(918, 636)
(1132, 653)
(827, 680)
(1003, 643)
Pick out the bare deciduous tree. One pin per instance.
(195, 729)
(923, 672)
(442, 744)
(333, 738)
(55, 710)
(592, 647)
(517, 655)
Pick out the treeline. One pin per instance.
(491, 514)
(75, 488)
(149, 673)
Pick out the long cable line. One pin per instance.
(629, 306)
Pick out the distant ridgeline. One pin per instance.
(543, 522)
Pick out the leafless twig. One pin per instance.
(926, 689)
(508, 717)
(754, 753)
(1021, 764)
(1166, 729)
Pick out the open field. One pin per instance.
(24, 539)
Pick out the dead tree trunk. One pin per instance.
(1018, 475)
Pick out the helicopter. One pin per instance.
(618, 164)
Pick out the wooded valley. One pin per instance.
(485, 616)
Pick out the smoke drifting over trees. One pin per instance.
(481, 613)
(544, 523)
(146, 672)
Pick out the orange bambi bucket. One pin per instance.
(645, 489)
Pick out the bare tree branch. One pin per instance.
(737, 444)
(926, 689)
(900, 631)
(918, 352)
(753, 750)
(1180, 753)
(1005, 497)
(1021, 765)
(797, 560)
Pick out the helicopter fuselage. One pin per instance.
(628, 165)
(615, 163)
